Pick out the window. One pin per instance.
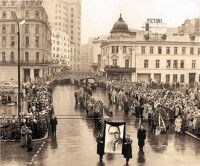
(157, 63)
(12, 41)
(37, 29)
(37, 58)
(183, 50)
(146, 63)
(26, 57)
(4, 41)
(126, 63)
(193, 64)
(58, 42)
(27, 28)
(3, 28)
(182, 64)
(3, 14)
(58, 49)
(115, 49)
(168, 64)
(174, 77)
(151, 50)
(198, 51)
(12, 28)
(143, 49)
(3, 57)
(72, 26)
(114, 62)
(191, 51)
(175, 65)
(72, 9)
(175, 50)
(12, 3)
(182, 78)
(72, 32)
(12, 57)
(72, 21)
(124, 49)
(27, 14)
(167, 78)
(37, 41)
(72, 15)
(27, 41)
(4, 3)
(159, 50)
(37, 14)
(168, 50)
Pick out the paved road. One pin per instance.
(75, 143)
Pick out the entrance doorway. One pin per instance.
(26, 74)
(191, 78)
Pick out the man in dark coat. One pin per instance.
(54, 123)
(100, 146)
(141, 136)
(29, 141)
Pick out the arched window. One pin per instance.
(3, 57)
(26, 57)
(12, 57)
(37, 57)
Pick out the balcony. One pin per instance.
(117, 69)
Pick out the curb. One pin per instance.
(192, 135)
(34, 140)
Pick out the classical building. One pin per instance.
(142, 56)
(35, 37)
(65, 18)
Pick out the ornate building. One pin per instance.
(35, 37)
(142, 56)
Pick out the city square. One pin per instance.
(84, 89)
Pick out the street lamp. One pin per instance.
(19, 84)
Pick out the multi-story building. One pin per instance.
(191, 27)
(93, 47)
(141, 56)
(65, 17)
(60, 50)
(35, 37)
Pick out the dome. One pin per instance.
(120, 26)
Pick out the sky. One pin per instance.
(99, 16)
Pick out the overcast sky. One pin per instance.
(99, 16)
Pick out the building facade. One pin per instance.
(141, 56)
(65, 18)
(35, 37)
(191, 27)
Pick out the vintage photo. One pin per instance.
(100, 82)
(114, 135)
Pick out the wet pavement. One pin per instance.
(75, 143)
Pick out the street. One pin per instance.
(75, 142)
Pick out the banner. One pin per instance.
(114, 137)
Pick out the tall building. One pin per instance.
(65, 18)
(191, 27)
(35, 37)
(144, 56)
(93, 47)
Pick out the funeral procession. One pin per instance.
(99, 83)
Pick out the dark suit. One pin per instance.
(111, 149)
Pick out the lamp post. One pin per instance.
(19, 84)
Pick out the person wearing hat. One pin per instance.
(100, 146)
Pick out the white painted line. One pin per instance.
(40, 148)
(37, 152)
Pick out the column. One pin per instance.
(32, 74)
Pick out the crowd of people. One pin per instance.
(36, 119)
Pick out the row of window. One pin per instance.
(169, 64)
(115, 49)
(26, 58)
(4, 14)
(27, 41)
(175, 78)
(157, 64)
(26, 29)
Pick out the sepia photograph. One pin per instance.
(99, 82)
(114, 138)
